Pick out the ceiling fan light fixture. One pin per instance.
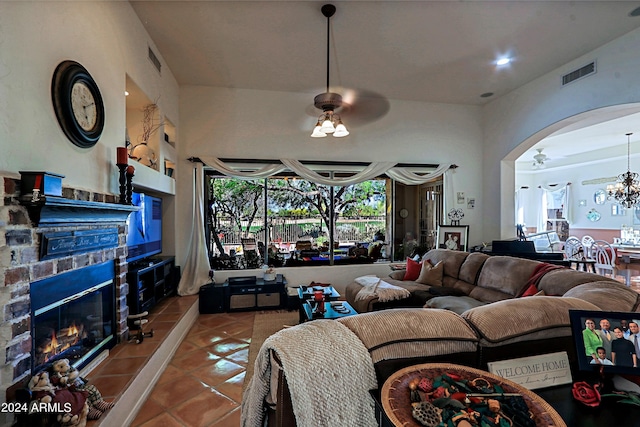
(341, 130)
(327, 125)
(317, 131)
(539, 159)
(328, 102)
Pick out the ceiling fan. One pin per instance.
(356, 106)
(539, 159)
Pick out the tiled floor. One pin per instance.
(202, 385)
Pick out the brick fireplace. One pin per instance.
(56, 236)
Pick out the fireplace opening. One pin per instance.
(73, 316)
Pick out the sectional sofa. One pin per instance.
(305, 374)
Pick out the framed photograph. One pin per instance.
(453, 237)
(617, 210)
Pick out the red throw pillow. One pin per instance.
(413, 270)
(531, 291)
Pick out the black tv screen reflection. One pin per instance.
(615, 350)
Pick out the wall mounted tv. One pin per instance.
(145, 227)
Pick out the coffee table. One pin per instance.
(305, 293)
(330, 310)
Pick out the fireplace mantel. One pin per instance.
(53, 211)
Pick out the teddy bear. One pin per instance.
(63, 373)
(41, 388)
(65, 376)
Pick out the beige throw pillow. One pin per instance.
(431, 274)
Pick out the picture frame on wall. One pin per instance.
(454, 237)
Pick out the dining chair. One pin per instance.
(572, 247)
(587, 241)
(605, 261)
(573, 251)
(251, 257)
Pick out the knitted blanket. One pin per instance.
(374, 286)
(324, 391)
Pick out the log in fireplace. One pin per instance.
(73, 316)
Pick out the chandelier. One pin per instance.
(328, 102)
(626, 191)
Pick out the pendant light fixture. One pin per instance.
(626, 191)
(329, 122)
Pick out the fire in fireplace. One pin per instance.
(73, 316)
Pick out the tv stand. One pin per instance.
(151, 280)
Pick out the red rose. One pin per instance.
(587, 394)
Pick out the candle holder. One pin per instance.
(122, 180)
(129, 173)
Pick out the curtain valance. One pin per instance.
(373, 170)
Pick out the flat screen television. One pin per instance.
(144, 237)
(621, 361)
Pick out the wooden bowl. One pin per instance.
(396, 399)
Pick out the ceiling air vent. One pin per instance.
(154, 60)
(579, 73)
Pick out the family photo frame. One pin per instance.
(453, 237)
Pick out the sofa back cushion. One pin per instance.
(558, 282)
(608, 296)
(470, 269)
(412, 332)
(524, 319)
(503, 277)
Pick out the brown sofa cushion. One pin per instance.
(412, 332)
(505, 276)
(470, 269)
(524, 319)
(431, 274)
(452, 261)
(558, 282)
(398, 274)
(453, 303)
(608, 296)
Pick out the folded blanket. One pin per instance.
(324, 391)
(374, 286)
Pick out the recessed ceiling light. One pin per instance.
(503, 61)
(126, 93)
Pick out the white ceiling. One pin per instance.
(430, 51)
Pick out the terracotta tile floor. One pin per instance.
(201, 386)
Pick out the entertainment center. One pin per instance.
(243, 293)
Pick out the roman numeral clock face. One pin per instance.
(78, 104)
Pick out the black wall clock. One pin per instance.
(77, 103)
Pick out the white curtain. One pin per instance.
(542, 211)
(449, 199)
(374, 169)
(196, 268)
(264, 172)
(554, 197)
(370, 172)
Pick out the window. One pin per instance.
(291, 221)
(555, 202)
